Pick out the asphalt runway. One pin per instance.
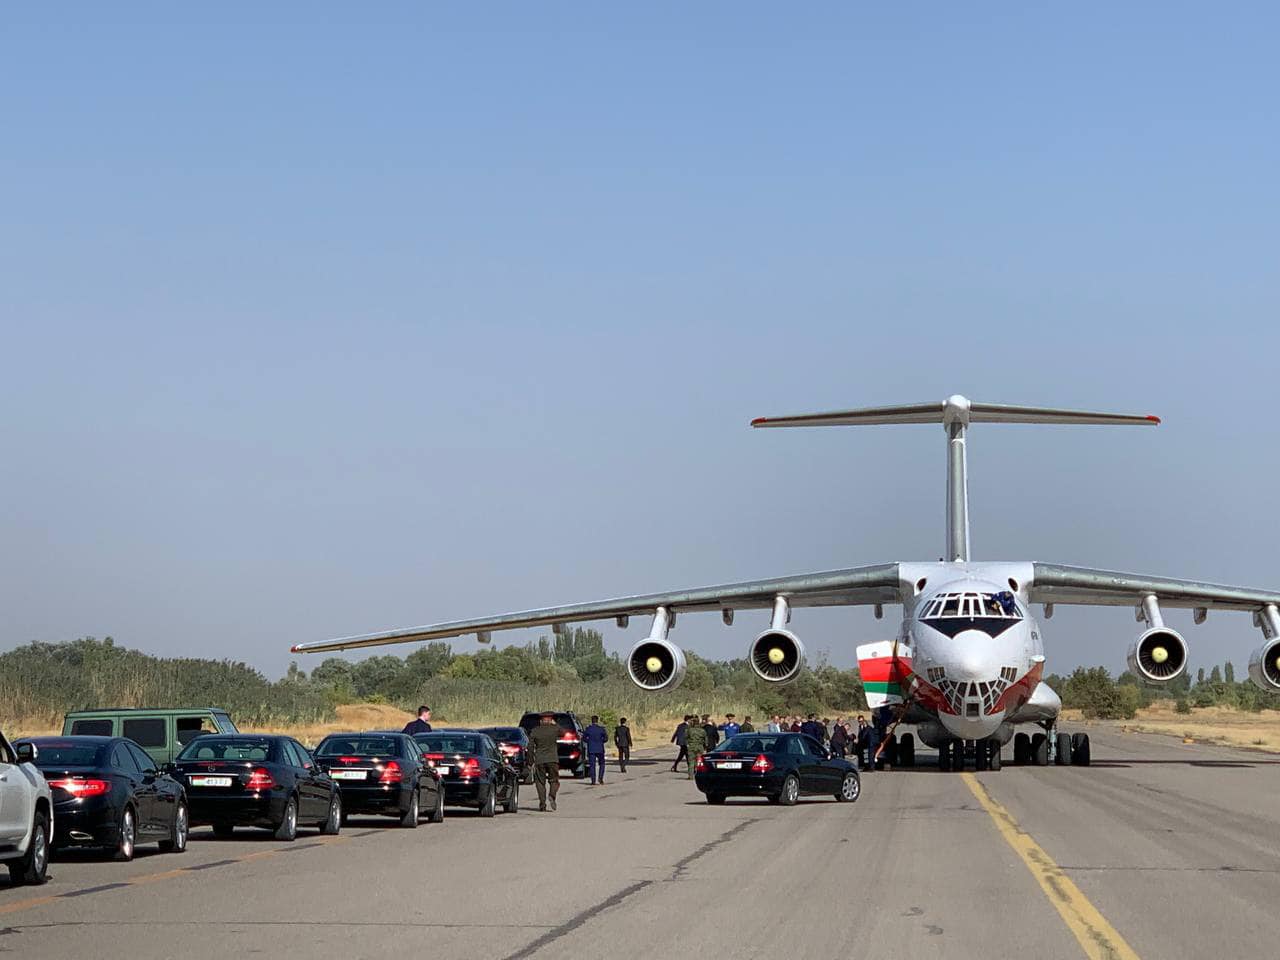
(1160, 850)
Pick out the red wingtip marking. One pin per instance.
(759, 420)
(1153, 419)
(294, 648)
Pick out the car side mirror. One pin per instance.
(26, 752)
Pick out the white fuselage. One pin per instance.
(977, 654)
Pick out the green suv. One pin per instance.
(162, 733)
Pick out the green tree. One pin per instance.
(1229, 672)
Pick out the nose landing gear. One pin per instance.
(985, 753)
(1064, 749)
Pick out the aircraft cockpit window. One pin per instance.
(999, 606)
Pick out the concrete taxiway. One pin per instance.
(1160, 850)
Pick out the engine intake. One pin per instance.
(776, 656)
(1264, 666)
(656, 664)
(1158, 656)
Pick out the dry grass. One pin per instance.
(1223, 725)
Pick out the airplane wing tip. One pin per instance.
(759, 421)
(1154, 419)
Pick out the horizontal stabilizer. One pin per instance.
(885, 667)
(954, 409)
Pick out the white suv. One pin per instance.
(26, 815)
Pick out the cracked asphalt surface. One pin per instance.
(1176, 845)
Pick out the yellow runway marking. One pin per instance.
(1098, 939)
(26, 904)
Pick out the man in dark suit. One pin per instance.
(622, 740)
(422, 724)
(678, 738)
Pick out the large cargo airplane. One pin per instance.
(967, 662)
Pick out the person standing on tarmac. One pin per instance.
(678, 738)
(730, 727)
(747, 726)
(622, 740)
(596, 740)
(695, 741)
(420, 725)
(545, 748)
(713, 733)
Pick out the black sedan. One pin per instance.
(780, 766)
(569, 747)
(513, 744)
(473, 770)
(383, 773)
(108, 793)
(257, 780)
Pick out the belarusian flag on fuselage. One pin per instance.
(886, 671)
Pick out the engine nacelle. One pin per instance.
(1158, 656)
(1264, 666)
(656, 664)
(776, 656)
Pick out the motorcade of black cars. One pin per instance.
(472, 769)
(572, 754)
(257, 780)
(779, 766)
(383, 774)
(513, 744)
(108, 793)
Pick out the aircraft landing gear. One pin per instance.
(906, 751)
(1039, 750)
(1021, 749)
(1080, 750)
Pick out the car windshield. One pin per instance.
(449, 743)
(230, 749)
(349, 746)
(505, 733)
(531, 720)
(749, 743)
(66, 753)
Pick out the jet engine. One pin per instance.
(1158, 656)
(776, 656)
(1264, 666)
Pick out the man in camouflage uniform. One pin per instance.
(695, 740)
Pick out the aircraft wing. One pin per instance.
(1053, 583)
(831, 588)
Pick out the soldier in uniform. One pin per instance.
(546, 759)
(695, 741)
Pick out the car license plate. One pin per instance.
(443, 770)
(349, 774)
(211, 781)
(729, 765)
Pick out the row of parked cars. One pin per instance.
(118, 778)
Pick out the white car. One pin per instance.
(26, 815)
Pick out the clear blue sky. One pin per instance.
(315, 325)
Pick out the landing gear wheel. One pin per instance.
(790, 791)
(993, 761)
(437, 815)
(333, 823)
(850, 788)
(1080, 750)
(1040, 750)
(177, 842)
(1062, 751)
(409, 819)
(944, 758)
(512, 804)
(715, 799)
(128, 836)
(287, 828)
(980, 754)
(907, 751)
(890, 754)
(223, 831)
(957, 756)
(33, 868)
(1021, 749)
(489, 806)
